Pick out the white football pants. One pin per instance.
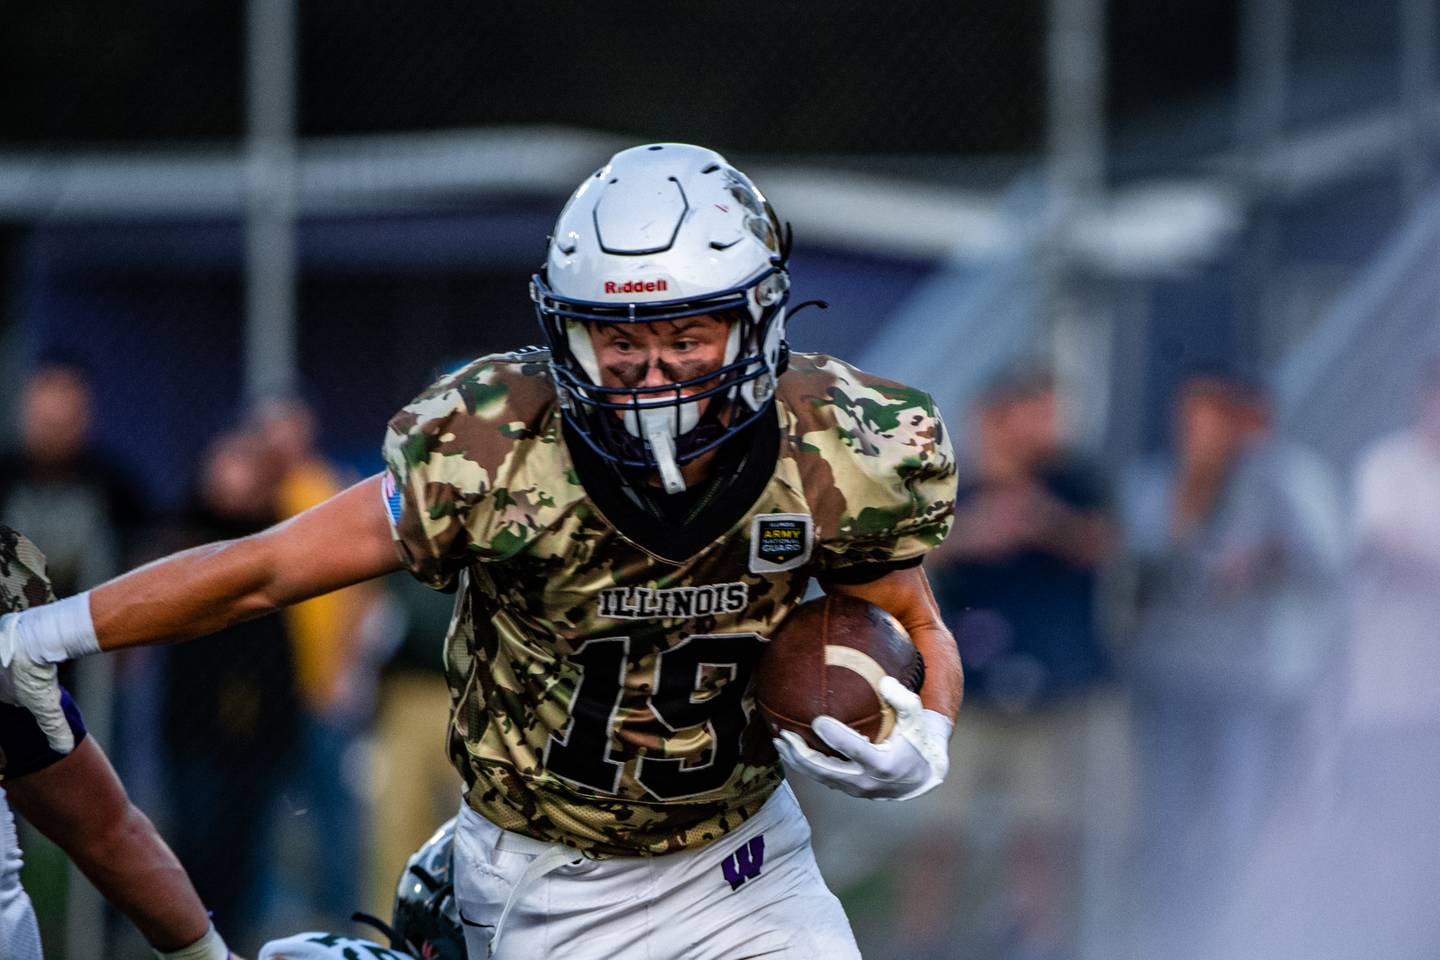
(756, 892)
(19, 934)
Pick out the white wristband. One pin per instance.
(208, 947)
(59, 631)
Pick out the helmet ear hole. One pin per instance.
(772, 289)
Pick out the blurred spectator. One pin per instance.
(1017, 575)
(58, 489)
(1383, 828)
(1394, 665)
(1017, 582)
(335, 674)
(230, 711)
(1237, 542)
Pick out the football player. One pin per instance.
(625, 517)
(75, 799)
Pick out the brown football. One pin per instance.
(827, 659)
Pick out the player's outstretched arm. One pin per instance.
(80, 804)
(340, 542)
(914, 759)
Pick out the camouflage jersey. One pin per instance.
(600, 660)
(23, 581)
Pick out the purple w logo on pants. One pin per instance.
(744, 864)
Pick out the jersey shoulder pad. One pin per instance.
(495, 387)
(873, 457)
(464, 428)
(476, 463)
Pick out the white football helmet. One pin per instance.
(664, 231)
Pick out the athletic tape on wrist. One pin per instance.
(59, 631)
(208, 947)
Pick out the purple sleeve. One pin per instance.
(23, 748)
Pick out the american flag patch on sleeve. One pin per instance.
(391, 493)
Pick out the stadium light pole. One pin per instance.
(1418, 43)
(1075, 182)
(1263, 95)
(1082, 335)
(270, 244)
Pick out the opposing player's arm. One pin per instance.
(907, 596)
(80, 804)
(340, 542)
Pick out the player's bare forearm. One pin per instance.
(79, 803)
(944, 677)
(906, 594)
(340, 542)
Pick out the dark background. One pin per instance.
(758, 77)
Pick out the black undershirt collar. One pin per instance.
(738, 475)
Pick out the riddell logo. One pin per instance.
(636, 286)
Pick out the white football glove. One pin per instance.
(32, 685)
(912, 760)
(326, 946)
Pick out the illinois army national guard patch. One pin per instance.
(779, 541)
(600, 677)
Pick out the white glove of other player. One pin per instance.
(34, 686)
(326, 946)
(912, 760)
